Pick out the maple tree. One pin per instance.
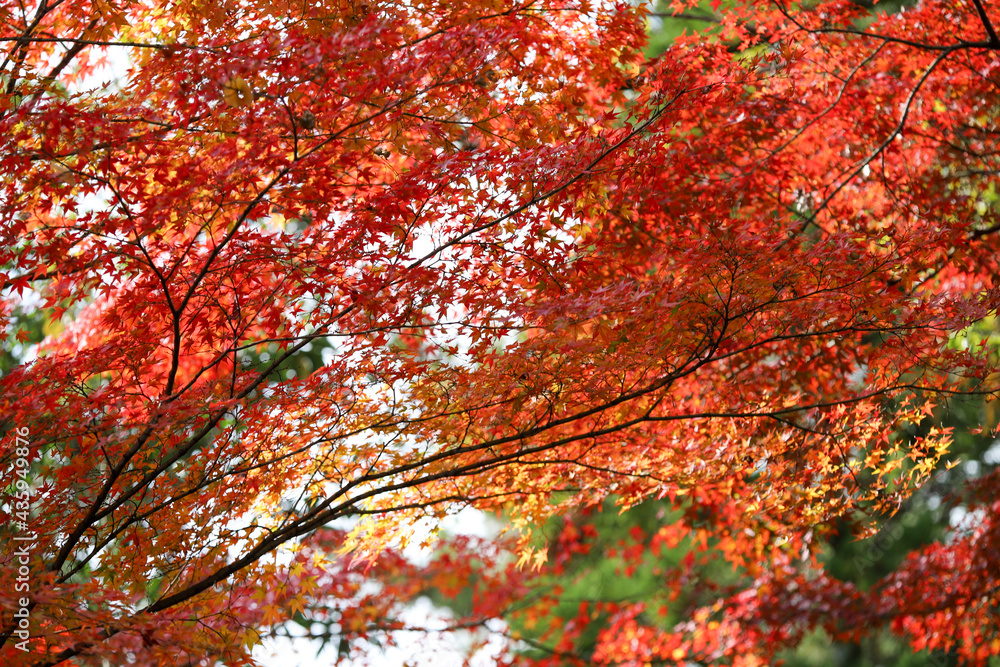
(314, 275)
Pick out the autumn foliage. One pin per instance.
(314, 274)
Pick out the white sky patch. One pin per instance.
(992, 455)
(432, 647)
(412, 649)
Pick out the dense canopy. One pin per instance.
(313, 275)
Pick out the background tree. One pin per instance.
(538, 272)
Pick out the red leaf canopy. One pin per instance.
(378, 262)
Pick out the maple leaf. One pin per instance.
(371, 264)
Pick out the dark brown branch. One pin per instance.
(984, 17)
